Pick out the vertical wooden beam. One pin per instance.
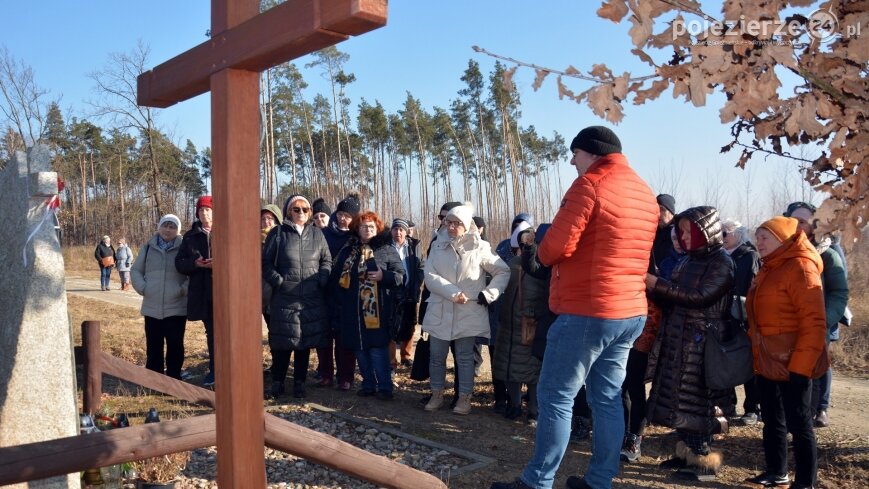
(235, 186)
(237, 278)
(93, 391)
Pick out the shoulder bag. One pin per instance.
(727, 362)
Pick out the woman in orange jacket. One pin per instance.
(788, 327)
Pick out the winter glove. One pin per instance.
(798, 380)
(482, 299)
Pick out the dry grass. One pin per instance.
(842, 453)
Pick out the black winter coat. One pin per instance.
(409, 296)
(335, 237)
(348, 320)
(297, 267)
(196, 244)
(103, 251)
(699, 294)
(536, 299)
(747, 261)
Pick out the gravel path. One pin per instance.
(288, 471)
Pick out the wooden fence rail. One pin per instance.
(40, 460)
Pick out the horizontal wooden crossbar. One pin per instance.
(21, 463)
(287, 31)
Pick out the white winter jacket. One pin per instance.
(461, 266)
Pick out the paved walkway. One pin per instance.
(90, 288)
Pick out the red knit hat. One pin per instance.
(204, 201)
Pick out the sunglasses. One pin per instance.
(724, 233)
(441, 217)
(301, 210)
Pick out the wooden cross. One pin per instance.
(243, 43)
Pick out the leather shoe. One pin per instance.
(768, 480)
(574, 482)
(821, 419)
(516, 484)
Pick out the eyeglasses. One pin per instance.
(453, 224)
(368, 226)
(301, 210)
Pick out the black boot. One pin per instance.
(299, 389)
(276, 390)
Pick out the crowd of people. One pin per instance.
(618, 291)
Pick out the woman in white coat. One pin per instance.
(164, 297)
(455, 274)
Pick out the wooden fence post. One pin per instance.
(93, 378)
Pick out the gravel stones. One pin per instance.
(287, 471)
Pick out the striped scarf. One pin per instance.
(367, 288)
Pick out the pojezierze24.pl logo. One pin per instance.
(820, 25)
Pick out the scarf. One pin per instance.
(163, 245)
(367, 288)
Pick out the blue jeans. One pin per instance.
(591, 351)
(464, 363)
(105, 277)
(375, 369)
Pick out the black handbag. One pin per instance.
(421, 357)
(727, 362)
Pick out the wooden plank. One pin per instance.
(44, 459)
(158, 382)
(93, 392)
(287, 31)
(318, 447)
(237, 277)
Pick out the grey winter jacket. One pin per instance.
(123, 258)
(155, 278)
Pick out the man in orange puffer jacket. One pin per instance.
(598, 248)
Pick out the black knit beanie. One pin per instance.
(350, 205)
(319, 206)
(597, 140)
(449, 206)
(668, 202)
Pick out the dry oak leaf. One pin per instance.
(782, 54)
(507, 80)
(602, 103)
(601, 71)
(643, 56)
(697, 86)
(563, 91)
(642, 22)
(614, 10)
(651, 93)
(538, 79)
(672, 36)
(620, 86)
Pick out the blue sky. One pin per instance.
(424, 48)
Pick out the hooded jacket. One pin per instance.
(787, 297)
(600, 242)
(155, 278)
(699, 296)
(196, 244)
(297, 265)
(455, 266)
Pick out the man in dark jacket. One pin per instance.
(337, 232)
(409, 252)
(194, 260)
(663, 245)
